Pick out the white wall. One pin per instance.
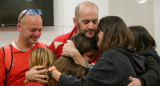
(157, 23)
(63, 21)
(134, 13)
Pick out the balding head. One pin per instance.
(29, 27)
(84, 4)
(23, 18)
(20, 15)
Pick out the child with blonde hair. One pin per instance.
(41, 56)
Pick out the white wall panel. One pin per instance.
(157, 23)
(133, 13)
(58, 12)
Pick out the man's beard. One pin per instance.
(85, 31)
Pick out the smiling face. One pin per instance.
(87, 21)
(30, 28)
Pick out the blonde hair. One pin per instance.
(41, 56)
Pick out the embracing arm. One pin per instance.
(34, 74)
(69, 49)
(96, 76)
(152, 71)
(151, 74)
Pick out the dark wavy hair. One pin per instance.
(115, 33)
(143, 39)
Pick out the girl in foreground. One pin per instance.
(41, 56)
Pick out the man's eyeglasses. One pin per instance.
(32, 12)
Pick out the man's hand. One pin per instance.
(34, 74)
(70, 50)
(134, 82)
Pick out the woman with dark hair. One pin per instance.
(145, 46)
(117, 60)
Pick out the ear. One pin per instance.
(75, 21)
(19, 27)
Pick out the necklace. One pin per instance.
(20, 47)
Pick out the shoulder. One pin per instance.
(109, 55)
(151, 54)
(5, 48)
(110, 52)
(1, 54)
(58, 41)
(42, 45)
(1, 50)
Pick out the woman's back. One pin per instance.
(122, 63)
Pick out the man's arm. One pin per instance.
(69, 49)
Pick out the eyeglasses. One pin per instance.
(32, 12)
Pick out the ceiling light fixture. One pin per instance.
(141, 1)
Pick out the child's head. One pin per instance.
(41, 56)
(86, 46)
(143, 39)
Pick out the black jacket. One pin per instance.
(152, 63)
(112, 68)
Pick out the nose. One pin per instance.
(37, 33)
(91, 25)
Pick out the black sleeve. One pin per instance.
(102, 74)
(152, 72)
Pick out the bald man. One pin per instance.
(29, 27)
(85, 21)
